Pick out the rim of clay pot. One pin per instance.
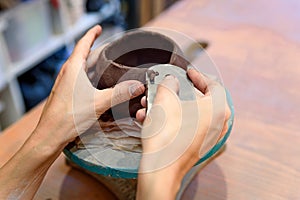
(149, 39)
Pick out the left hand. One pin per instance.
(74, 105)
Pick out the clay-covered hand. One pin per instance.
(177, 133)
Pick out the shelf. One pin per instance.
(17, 68)
(85, 22)
(51, 45)
(11, 94)
(57, 41)
(91, 19)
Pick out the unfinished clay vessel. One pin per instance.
(129, 58)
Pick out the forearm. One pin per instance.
(22, 175)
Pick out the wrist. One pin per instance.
(157, 186)
(46, 143)
(160, 184)
(56, 130)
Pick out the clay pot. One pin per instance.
(129, 58)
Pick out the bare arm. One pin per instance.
(172, 149)
(72, 107)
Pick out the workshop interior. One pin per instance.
(37, 36)
(250, 48)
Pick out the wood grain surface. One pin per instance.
(256, 47)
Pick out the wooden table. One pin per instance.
(256, 46)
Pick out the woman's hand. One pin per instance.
(73, 106)
(177, 133)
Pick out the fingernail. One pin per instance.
(136, 89)
(190, 67)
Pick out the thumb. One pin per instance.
(167, 89)
(166, 103)
(124, 91)
(163, 117)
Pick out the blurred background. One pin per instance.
(37, 36)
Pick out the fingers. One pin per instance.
(124, 91)
(165, 111)
(166, 103)
(144, 101)
(216, 92)
(198, 80)
(227, 115)
(169, 85)
(141, 115)
(167, 88)
(84, 45)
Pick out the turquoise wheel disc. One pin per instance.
(83, 157)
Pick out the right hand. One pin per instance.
(172, 139)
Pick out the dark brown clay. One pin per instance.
(129, 58)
